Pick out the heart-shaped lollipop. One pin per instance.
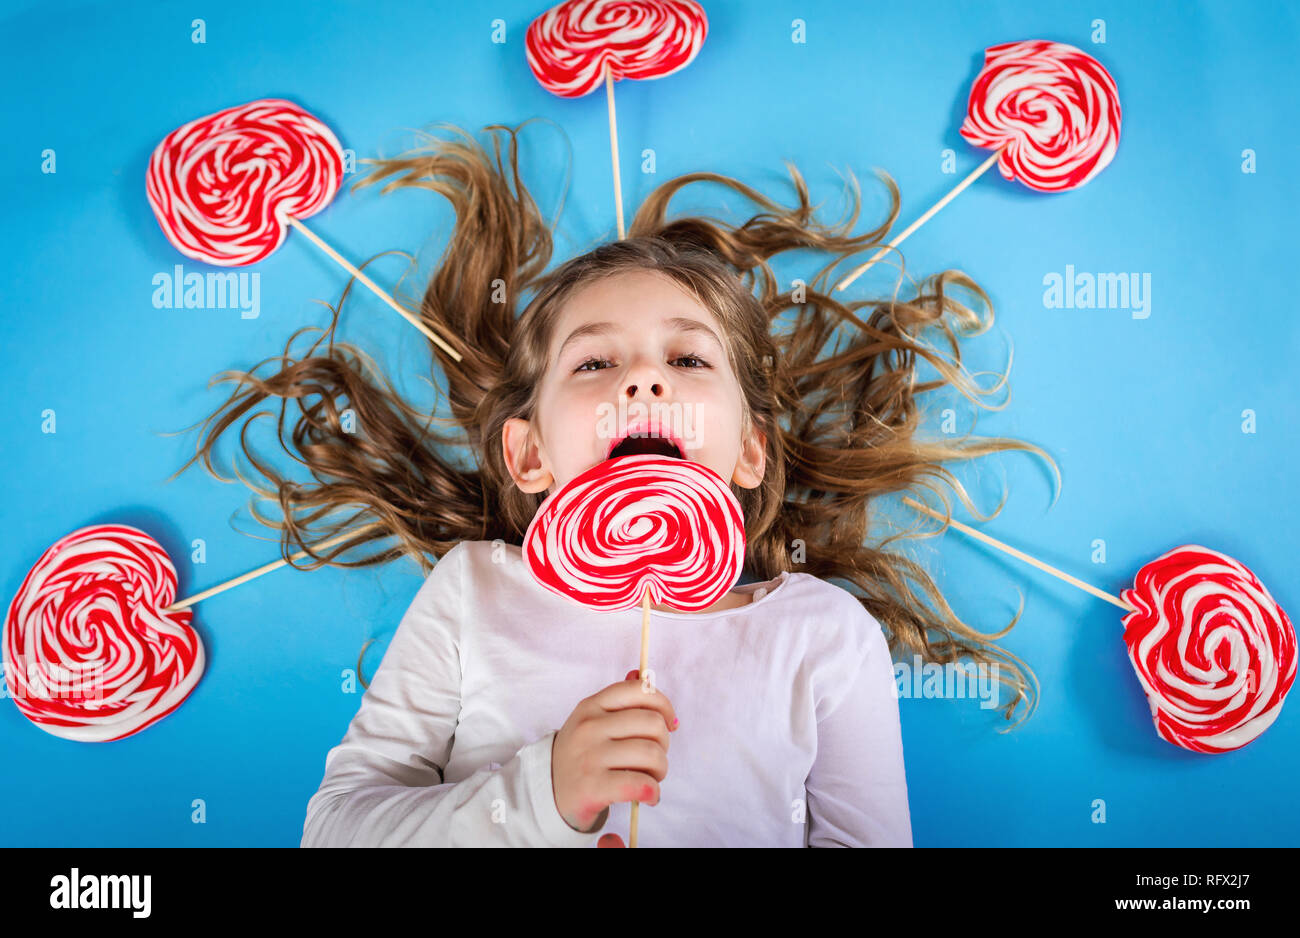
(635, 524)
(225, 188)
(221, 186)
(573, 47)
(570, 46)
(634, 529)
(89, 654)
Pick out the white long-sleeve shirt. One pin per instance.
(789, 733)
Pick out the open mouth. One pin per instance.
(634, 445)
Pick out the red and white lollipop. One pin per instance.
(1049, 111)
(1213, 650)
(223, 186)
(639, 528)
(573, 48)
(577, 45)
(95, 649)
(226, 187)
(89, 653)
(636, 528)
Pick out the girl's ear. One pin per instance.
(523, 457)
(752, 462)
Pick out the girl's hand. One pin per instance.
(612, 748)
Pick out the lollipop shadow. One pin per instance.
(139, 217)
(1100, 692)
(1108, 694)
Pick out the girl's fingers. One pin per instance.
(627, 694)
(643, 756)
(636, 723)
(623, 785)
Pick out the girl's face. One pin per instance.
(633, 355)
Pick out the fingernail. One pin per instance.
(675, 722)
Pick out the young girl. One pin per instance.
(495, 717)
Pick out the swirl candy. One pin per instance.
(1215, 653)
(570, 45)
(1051, 108)
(639, 522)
(88, 656)
(220, 184)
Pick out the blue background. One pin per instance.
(1143, 415)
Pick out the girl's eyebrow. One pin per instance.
(679, 323)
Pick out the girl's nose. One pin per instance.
(646, 375)
(656, 389)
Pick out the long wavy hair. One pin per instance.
(842, 424)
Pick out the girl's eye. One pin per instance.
(701, 363)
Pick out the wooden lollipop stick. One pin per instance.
(374, 288)
(274, 565)
(934, 209)
(1073, 581)
(618, 189)
(645, 658)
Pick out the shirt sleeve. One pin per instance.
(857, 788)
(383, 784)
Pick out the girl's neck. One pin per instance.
(730, 601)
